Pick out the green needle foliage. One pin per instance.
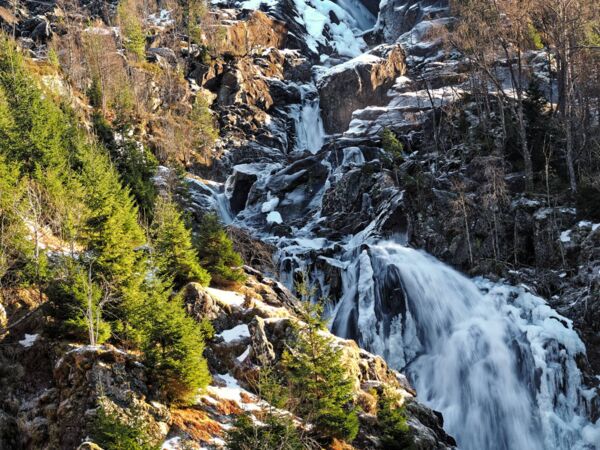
(216, 252)
(277, 432)
(391, 144)
(319, 380)
(132, 29)
(15, 249)
(175, 256)
(54, 177)
(173, 344)
(391, 417)
(77, 302)
(112, 432)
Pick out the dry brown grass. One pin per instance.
(196, 424)
(340, 445)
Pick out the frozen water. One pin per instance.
(497, 361)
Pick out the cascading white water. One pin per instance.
(498, 362)
(499, 365)
(310, 133)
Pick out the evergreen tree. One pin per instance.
(391, 418)
(173, 344)
(391, 144)
(216, 253)
(113, 233)
(40, 131)
(276, 432)
(78, 302)
(319, 380)
(175, 256)
(112, 432)
(15, 249)
(132, 29)
(203, 130)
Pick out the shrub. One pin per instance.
(112, 432)
(391, 144)
(277, 432)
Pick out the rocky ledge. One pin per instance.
(66, 383)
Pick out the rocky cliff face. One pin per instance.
(324, 210)
(319, 203)
(52, 391)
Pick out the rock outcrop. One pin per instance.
(359, 82)
(252, 328)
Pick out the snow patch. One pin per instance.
(565, 236)
(28, 340)
(274, 217)
(228, 297)
(270, 204)
(236, 333)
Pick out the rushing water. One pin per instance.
(498, 362)
(310, 133)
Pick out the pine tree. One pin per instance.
(319, 380)
(15, 249)
(173, 344)
(216, 252)
(203, 130)
(121, 433)
(113, 233)
(132, 29)
(391, 418)
(40, 129)
(175, 256)
(78, 302)
(276, 432)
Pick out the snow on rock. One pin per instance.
(233, 391)
(228, 297)
(161, 19)
(274, 217)
(244, 355)
(327, 24)
(235, 333)
(565, 236)
(171, 444)
(270, 204)
(28, 340)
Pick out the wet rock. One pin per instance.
(10, 435)
(163, 56)
(397, 17)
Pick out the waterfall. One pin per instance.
(308, 124)
(497, 361)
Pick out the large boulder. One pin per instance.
(253, 29)
(86, 375)
(357, 83)
(397, 17)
